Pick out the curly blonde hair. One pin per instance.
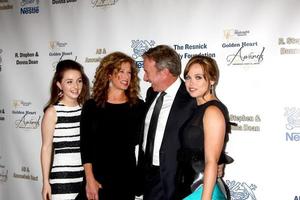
(110, 64)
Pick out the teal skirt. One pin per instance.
(197, 194)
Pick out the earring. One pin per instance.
(110, 83)
(60, 93)
(211, 89)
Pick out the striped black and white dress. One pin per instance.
(67, 171)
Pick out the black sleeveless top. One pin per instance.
(191, 154)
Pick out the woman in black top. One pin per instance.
(203, 137)
(110, 127)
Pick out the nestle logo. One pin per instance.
(139, 47)
(139, 64)
(292, 118)
(292, 136)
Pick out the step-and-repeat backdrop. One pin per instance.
(256, 44)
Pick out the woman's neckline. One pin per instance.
(117, 103)
(208, 102)
(62, 104)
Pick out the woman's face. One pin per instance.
(121, 79)
(196, 85)
(71, 85)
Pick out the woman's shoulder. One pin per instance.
(140, 101)
(214, 108)
(215, 104)
(51, 109)
(50, 113)
(90, 104)
(139, 106)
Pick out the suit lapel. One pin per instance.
(182, 108)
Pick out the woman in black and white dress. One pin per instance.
(60, 153)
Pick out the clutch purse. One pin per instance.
(216, 195)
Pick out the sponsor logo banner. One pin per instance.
(187, 51)
(292, 124)
(24, 117)
(29, 7)
(139, 47)
(63, 1)
(289, 45)
(3, 172)
(5, 5)
(98, 58)
(246, 122)
(241, 190)
(25, 173)
(27, 58)
(103, 3)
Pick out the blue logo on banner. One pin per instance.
(292, 117)
(293, 122)
(241, 191)
(29, 7)
(140, 47)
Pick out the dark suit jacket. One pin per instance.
(181, 110)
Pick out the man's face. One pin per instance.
(153, 75)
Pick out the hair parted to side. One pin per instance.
(61, 67)
(110, 64)
(209, 66)
(165, 57)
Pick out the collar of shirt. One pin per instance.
(172, 89)
(162, 120)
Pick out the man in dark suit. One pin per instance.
(162, 67)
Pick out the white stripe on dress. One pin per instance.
(67, 159)
(64, 196)
(67, 180)
(66, 139)
(69, 169)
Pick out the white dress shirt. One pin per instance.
(162, 119)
